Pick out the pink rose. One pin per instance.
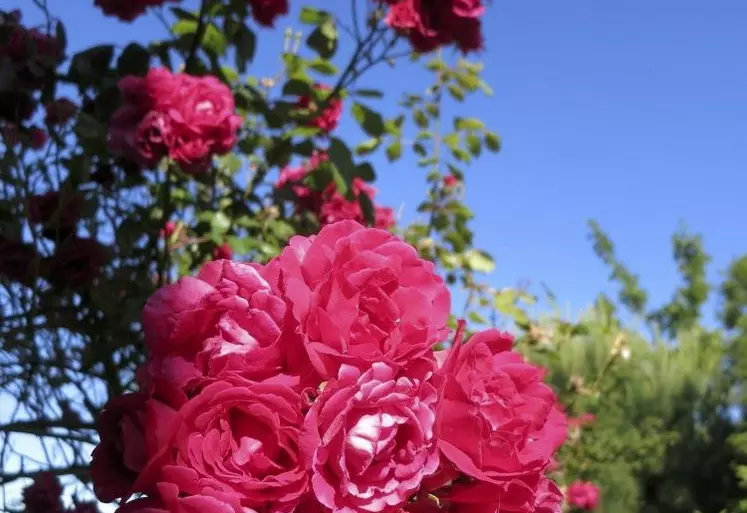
(359, 296)
(265, 11)
(134, 430)
(188, 118)
(60, 111)
(329, 118)
(227, 320)
(496, 421)
(203, 121)
(583, 495)
(44, 495)
(368, 439)
(241, 438)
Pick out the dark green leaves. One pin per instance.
(371, 121)
(92, 65)
(134, 60)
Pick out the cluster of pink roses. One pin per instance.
(429, 25)
(329, 205)
(311, 384)
(264, 11)
(328, 119)
(189, 119)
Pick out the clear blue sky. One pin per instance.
(633, 113)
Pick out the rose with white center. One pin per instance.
(368, 438)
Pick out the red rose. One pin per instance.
(223, 252)
(359, 296)
(60, 111)
(265, 11)
(38, 138)
(58, 212)
(133, 430)
(328, 119)
(17, 260)
(496, 422)
(369, 440)
(583, 495)
(450, 181)
(241, 437)
(75, 262)
(44, 495)
(227, 320)
(168, 229)
(430, 25)
(128, 10)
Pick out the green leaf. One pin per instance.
(367, 208)
(61, 36)
(182, 14)
(91, 65)
(368, 93)
(371, 121)
(394, 126)
(492, 141)
(485, 88)
(367, 146)
(219, 225)
(302, 131)
(214, 41)
(479, 261)
(134, 60)
(297, 87)
(342, 158)
(87, 127)
(468, 124)
(456, 92)
(323, 66)
(312, 16)
(245, 42)
(420, 118)
(365, 171)
(452, 141)
(461, 155)
(467, 81)
(474, 145)
(394, 151)
(323, 39)
(477, 318)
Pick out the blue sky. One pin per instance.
(633, 113)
